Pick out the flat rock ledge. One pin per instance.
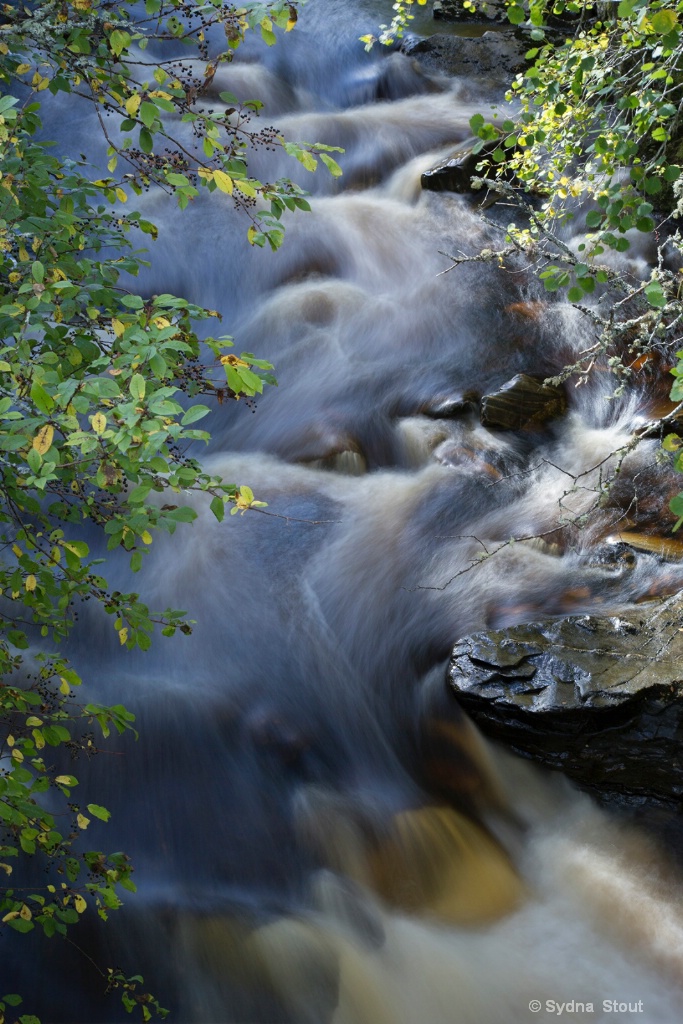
(599, 698)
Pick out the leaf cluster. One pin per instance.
(102, 389)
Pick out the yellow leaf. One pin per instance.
(80, 904)
(132, 104)
(4, 48)
(223, 181)
(118, 328)
(11, 916)
(42, 442)
(38, 739)
(33, 720)
(11, 740)
(23, 255)
(17, 550)
(22, 69)
(25, 913)
(146, 537)
(233, 361)
(161, 321)
(30, 582)
(204, 172)
(64, 687)
(121, 195)
(98, 422)
(17, 755)
(64, 780)
(6, 868)
(82, 821)
(123, 635)
(39, 83)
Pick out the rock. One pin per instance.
(450, 406)
(455, 10)
(599, 698)
(393, 78)
(522, 402)
(494, 57)
(455, 173)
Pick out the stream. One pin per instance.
(319, 834)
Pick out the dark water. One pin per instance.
(318, 833)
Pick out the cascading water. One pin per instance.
(318, 832)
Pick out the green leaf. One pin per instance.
(146, 141)
(42, 399)
(139, 493)
(672, 443)
(137, 386)
(332, 165)
(119, 41)
(148, 113)
(516, 14)
(194, 413)
(217, 506)
(655, 295)
(663, 21)
(184, 514)
(99, 812)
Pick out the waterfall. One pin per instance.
(319, 834)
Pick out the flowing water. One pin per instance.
(318, 833)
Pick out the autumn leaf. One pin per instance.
(42, 442)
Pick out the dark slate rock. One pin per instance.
(522, 402)
(494, 57)
(599, 698)
(455, 10)
(455, 173)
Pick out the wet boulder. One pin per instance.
(450, 406)
(601, 699)
(455, 173)
(521, 402)
(394, 78)
(455, 10)
(491, 59)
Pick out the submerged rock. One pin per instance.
(599, 698)
(450, 406)
(522, 402)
